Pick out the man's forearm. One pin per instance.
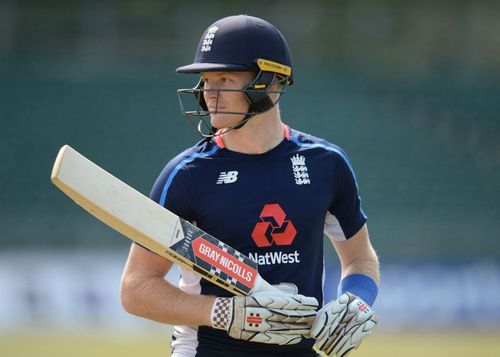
(367, 265)
(156, 299)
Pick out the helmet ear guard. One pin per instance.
(257, 92)
(270, 73)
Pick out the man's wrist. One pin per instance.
(360, 285)
(222, 313)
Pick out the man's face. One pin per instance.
(226, 101)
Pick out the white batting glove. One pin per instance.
(341, 325)
(265, 317)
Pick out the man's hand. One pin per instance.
(341, 325)
(265, 317)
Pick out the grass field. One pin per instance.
(383, 345)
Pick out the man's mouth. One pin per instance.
(216, 109)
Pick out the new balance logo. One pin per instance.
(227, 177)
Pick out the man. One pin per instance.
(269, 191)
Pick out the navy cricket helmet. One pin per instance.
(241, 43)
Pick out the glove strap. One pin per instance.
(222, 313)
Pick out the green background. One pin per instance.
(409, 89)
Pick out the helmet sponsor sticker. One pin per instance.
(271, 66)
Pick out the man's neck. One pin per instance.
(259, 135)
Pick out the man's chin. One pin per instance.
(225, 120)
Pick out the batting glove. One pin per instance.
(341, 325)
(265, 317)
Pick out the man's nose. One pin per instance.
(210, 92)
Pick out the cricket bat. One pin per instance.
(145, 222)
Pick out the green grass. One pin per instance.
(431, 345)
(383, 345)
(86, 345)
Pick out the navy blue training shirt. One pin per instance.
(273, 207)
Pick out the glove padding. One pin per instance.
(265, 317)
(341, 325)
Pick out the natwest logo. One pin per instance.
(273, 227)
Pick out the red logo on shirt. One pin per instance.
(273, 227)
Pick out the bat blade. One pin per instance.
(147, 223)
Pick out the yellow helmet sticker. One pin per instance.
(270, 66)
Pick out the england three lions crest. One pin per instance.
(300, 170)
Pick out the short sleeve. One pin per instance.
(345, 216)
(173, 190)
